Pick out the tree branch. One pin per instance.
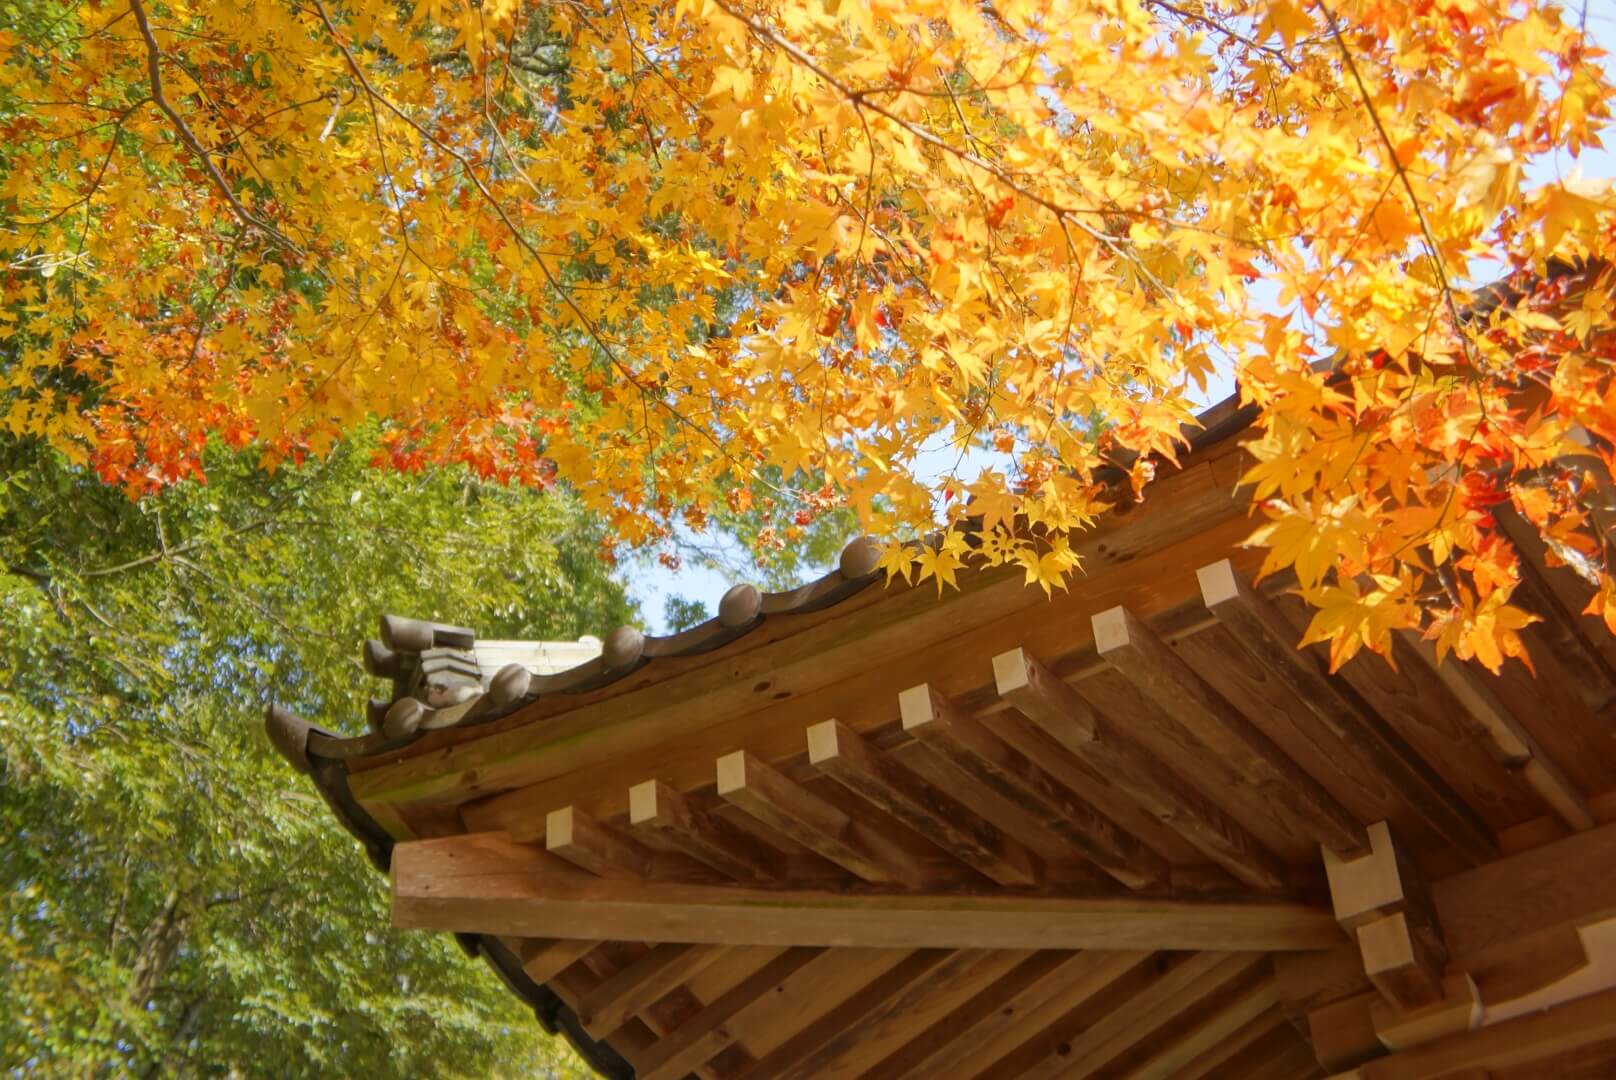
(154, 73)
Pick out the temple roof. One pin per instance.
(1122, 831)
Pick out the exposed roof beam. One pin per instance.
(842, 754)
(484, 883)
(982, 757)
(1065, 716)
(1163, 676)
(1259, 626)
(790, 809)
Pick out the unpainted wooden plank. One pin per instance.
(982, 757)
(1343, 1032)
(1131, 647)
(702, 1035)
(1568, 882)
(839, 752)
(803, 1048)
(790, 809)
(928, 1050)
(572, 834)
(1263, 630)
(641, 984)
(1219, 1055)
(1188, 1044)
(1411, 698)
(1090, 976)
(545, 958)
(1521, 1041)
(1153, 1009)
(1509, 740)
(878, 1026)
(803, 999)
(656, 807)
(1063, 714)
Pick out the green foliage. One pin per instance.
(681, 613)
(175, 898)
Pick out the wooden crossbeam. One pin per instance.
(483, 883)
(1487, 915)
(838, 752)
(1561, 885)
(793, 811)
(1265, 633)
(1064, 715)
(982, 757)
(1509, 740)
(1135, 651)
(659, 809)
(572, 834)
(641, 984)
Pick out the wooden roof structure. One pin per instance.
(861, 830)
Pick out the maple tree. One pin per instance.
(696, 256)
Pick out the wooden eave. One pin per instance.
(862, 829)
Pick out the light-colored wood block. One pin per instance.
(1401, 964)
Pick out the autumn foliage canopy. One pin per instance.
(693, 255)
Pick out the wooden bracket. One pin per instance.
(1383, 899)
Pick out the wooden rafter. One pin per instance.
(1133, 649)
(1063, 714)
(1509, 740)
(1265, 633)
(790, 809)
(982, 757)
(840, 753)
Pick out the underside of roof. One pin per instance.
(861, 829)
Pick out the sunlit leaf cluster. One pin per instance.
(701, 255)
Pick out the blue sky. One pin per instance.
(651, 584)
